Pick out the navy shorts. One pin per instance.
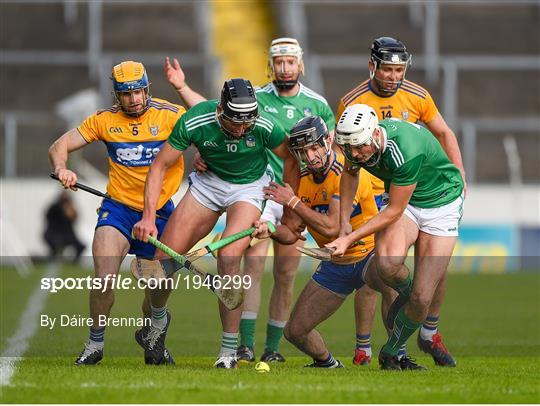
(342, 279)
(123, 218)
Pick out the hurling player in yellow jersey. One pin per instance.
(317, 205)
(392, 96)
(134, 130)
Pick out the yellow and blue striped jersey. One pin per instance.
(410, 102)
(132, 144)
(317, 194)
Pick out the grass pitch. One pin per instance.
(490, 323)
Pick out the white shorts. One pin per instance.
(442, 221)
(217, 194)
(272, 212)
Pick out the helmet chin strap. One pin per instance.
(379, 82)
(285, 84)
(376, 157)
(326, 160)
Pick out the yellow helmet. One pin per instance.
(127, 77)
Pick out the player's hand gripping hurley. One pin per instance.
(324, 253)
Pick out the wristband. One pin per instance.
(291, 199)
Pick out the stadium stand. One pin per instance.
(474, 48)
(55, 49)
(51, 43)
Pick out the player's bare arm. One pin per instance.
(324, 224)
(291, 168)
(399, 197)
(165, 159)
(176, 77)
(448, 141)
(58, 156)
(347, 190)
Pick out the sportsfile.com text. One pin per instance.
(54, 285)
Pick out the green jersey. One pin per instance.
(411, 154)
(238, 161)
(287, 111)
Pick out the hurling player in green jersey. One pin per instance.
(232, 138)
(424, 209)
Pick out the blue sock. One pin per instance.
(402, 351)
(328, 361)
(429, 327)
(363, 342)
(97, 336)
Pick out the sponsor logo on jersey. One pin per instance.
(210, 144)
(289, 107)
(305, 199)
(250, 141)
(452, 229)
(270, 109)
(307, 112)
(134, 154)
(115, 130)
(154, 130)
(321, 208)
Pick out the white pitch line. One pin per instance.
(28, 325)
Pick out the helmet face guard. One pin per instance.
(308, 142)
(371, 161)
(355, 129)
(389, 51)
(238, 108)
(284, 47)
(228, 124)
(128, 77)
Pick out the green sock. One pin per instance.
(403, 329)
(247, 331)
(274, 332)
(404, 288)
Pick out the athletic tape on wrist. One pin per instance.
(291, 199)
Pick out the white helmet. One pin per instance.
(284, 47)
(355, 128)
